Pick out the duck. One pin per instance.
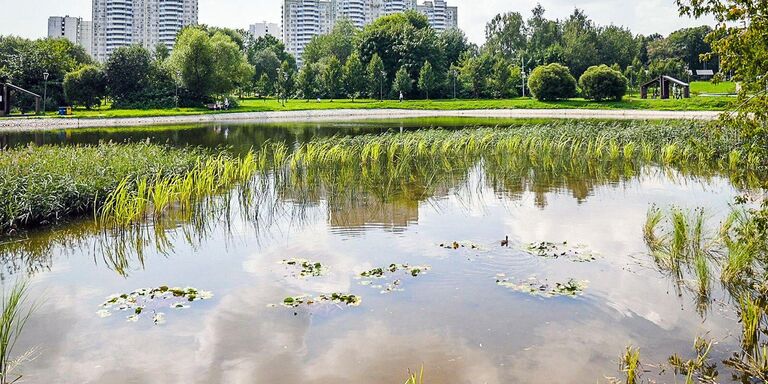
(505, 242)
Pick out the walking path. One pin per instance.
(31, 123)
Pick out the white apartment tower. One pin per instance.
(305, 19)
(74, 29)
(118, 23)
(262, 29)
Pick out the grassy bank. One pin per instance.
(718, 103)
(39, 185)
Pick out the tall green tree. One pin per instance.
(354, 76)
(309, 80)
(340, 43)
(427, 79)
(333, 79)
(128, 71)
(377, 84)
(505, 34)
(580, 42)
(209, 65)
(403, 82)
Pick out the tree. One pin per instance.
(545, 43)
(340, 43)
(669, 67)
(617, 45)
(333, 80)
(376, 77)
(474, 73)
(264, 86)
(354, 76)
(580, 42)
(285, 81)
(552, 82)
(505, 34)
(427, 80)
(209, 65)
(454, 43)
(308, 80)
(403, 82)
(128, 72)
(693, 45)
(265, 63)
(603, 83)
(85, 86)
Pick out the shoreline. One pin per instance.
(47, 123)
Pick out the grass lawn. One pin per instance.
(724, 87)
(268, 105)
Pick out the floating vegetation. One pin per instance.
(151, 301)
(457, 245)
(382, 273)
(579, 253)
(335, 298)
(306, 268)
(537, 287)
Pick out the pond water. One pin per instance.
(454, 317)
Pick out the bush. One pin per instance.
(552, 82)
(603, 83)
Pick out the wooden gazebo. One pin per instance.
(665, 83)
(5, 98)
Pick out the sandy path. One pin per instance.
(31, 123)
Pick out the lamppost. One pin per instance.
(455, 74)
(381, 85)
(45, 89)
(285, 88)
(279, 76)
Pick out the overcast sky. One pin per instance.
(28, 18)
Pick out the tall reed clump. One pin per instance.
(40, 185)
(15, 312)
(629, 363)
(413, 379)
(134, 199)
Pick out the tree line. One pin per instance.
(396, 54)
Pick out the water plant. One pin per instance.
(306, 267)
(16, 311)
(578, 253)
(151, 300)
(629, 363)
(336, 298)
(698, 369)
(367, 277)
(413, 379)
(536, 287)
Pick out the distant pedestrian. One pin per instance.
(401, 96)
(226, 103)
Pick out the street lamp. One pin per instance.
(381, 86)
(45, 89)
(285, 87)
(522, 74)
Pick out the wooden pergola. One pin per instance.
(5, 98)
(665, 83)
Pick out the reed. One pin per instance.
(16, 311)
(413, 379)
(750, 315)
(629, 363)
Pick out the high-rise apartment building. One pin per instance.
(262, 29)
(118, 23)
(74, 29)
(305, 19)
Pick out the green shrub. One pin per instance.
(552, 82)
(603, 83)
(85, 86)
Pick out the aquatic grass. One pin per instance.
(16, 311)
(629, 363)
(652, 221)
(751, 315)
(413, 379)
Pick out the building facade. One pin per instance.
(262, 29)
(304, 19)
(74, 29)
(119, 23)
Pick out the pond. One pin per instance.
(531, 273)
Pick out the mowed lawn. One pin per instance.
(704, 103)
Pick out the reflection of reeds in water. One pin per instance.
(15, 312)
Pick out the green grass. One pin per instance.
(708, 87)
(269, 105)
(629, 363)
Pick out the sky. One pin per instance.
(29, 18)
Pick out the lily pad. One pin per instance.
(382, 273)
(458, 245)
(336, 298)
(150, 300)
(306, 268)
(536, 287)
(578, 253)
